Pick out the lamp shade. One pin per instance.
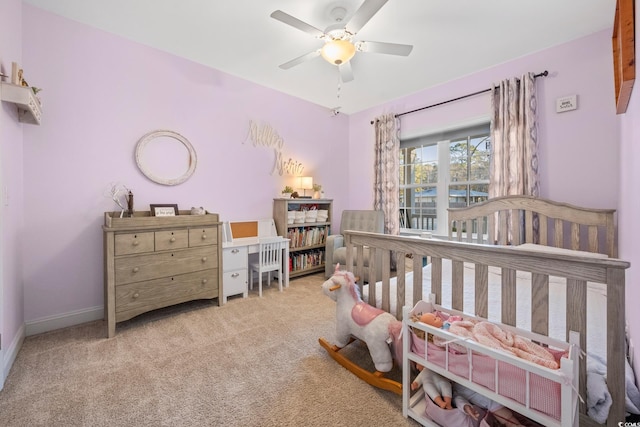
(338, 51)
(306, 183)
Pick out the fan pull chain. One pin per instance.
(339, 87)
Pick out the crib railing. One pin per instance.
(576, 269)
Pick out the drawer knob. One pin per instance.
(173, 239)
(136, 243)
(204, 236)
(136, 269)
(136, 295)
(234, 275)
(204, 281)
(204, 259)
(235, 251)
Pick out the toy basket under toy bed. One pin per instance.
(543, 394)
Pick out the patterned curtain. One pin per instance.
(386, 181)
(514, 155)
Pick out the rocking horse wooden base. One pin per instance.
(375, 378)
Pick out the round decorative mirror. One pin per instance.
(166, 157)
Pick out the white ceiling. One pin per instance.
(451, 38)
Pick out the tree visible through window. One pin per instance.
(442, 170)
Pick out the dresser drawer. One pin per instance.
(153, 266)
(171, 239)
(234, 258)
(203, 236)
(136, 298)
(133, 243)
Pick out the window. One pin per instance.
(442, 170)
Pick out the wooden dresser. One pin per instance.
(154, 262)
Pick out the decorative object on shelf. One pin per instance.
(305, 183)
(287, 192)
(119, 193)
(154, 150)
(198, 211)
(130, 204)
(164, 210)
(317, 188)
(295, 195)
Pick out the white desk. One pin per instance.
(236, 251)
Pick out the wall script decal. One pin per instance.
(266, 136)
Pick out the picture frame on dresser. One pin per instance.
(164, 209)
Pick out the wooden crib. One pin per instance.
(508, 222)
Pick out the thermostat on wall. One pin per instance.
(566, 103)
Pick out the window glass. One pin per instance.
(463, 175)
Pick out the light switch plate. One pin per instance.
(566, 103)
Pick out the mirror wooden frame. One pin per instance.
(624, 53)
(149, 137)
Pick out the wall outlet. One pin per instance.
(566, 103)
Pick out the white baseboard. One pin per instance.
(11, 353)
(51, 323)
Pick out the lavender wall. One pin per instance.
(11, 184)
(629, 206)
(101, 94)
(583, 142)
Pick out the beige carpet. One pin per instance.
(253, 362)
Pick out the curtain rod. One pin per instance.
(545, 73)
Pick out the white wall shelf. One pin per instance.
(29, 109)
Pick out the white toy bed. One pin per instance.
(563, 288)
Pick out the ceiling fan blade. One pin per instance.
(296, 23)
(300, 59)
(346, 72)
(388, 48)
(363, 15)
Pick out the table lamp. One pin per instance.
(306, 183)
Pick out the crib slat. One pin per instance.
(509, 296)
(400, 284)
(558, 234)
(543, 220)
(374, 259)
(593, 238)
(482, 291)
(417, 279)
(457, 285)
(386, 273)
(540, 303)
(503, 228)
(577, 321)
(528, 222)
(436, 279)
(480, 229)
(575, 236)
(516, 237)
(491, 219)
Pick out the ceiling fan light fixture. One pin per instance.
(338, 51)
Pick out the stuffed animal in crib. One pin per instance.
(355, 318)
(437, 387)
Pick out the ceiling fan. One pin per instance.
(339, 46)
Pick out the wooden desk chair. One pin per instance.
(269, 259)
